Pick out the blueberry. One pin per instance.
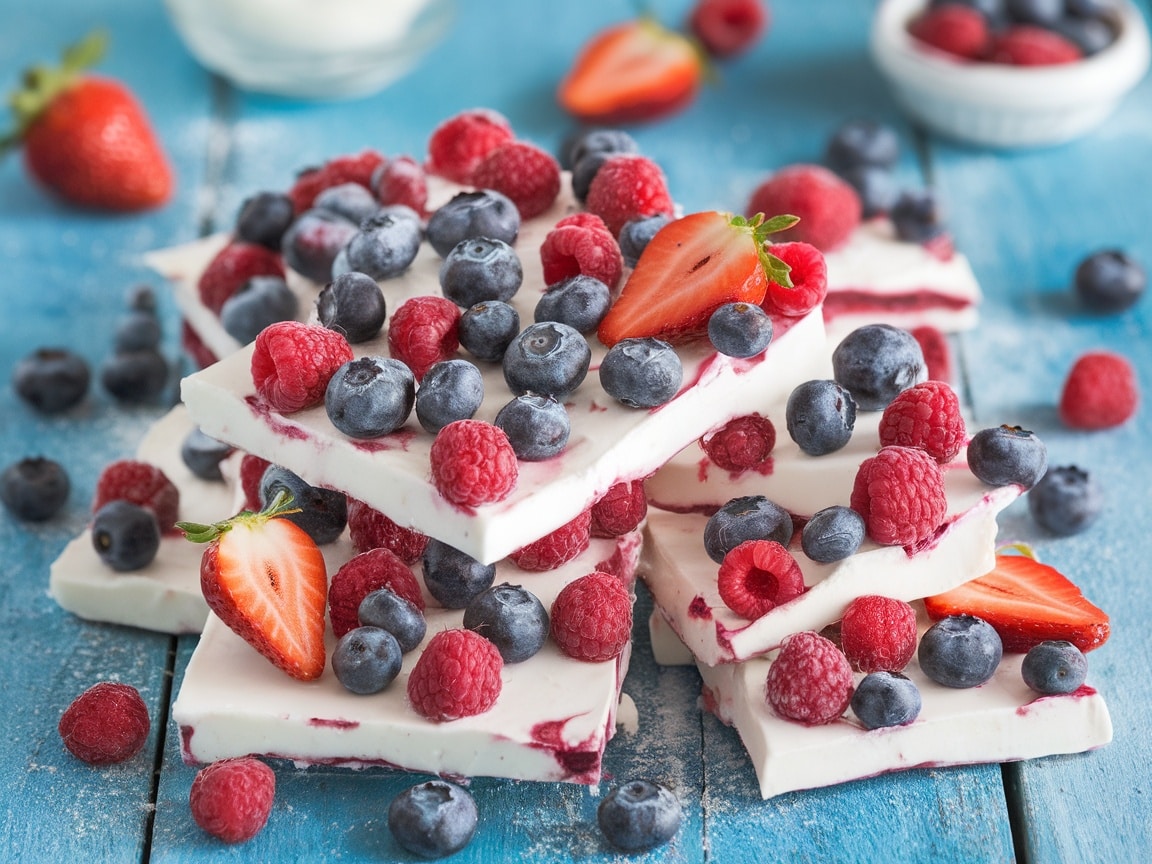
(877, 362)
(1003, 455)
(51, 380)
(641, 373)
(1066, 500)
(1041, 12)
(1109, 281)
(136, 331)
(450, 390)
(883, 699)
(349, 200)
(433, 819)
(1090, 35)
(261, 301)
(370, 397)
(832, 534)
(366, 660)
(584, 172)
(511, 618)
(452, 577)
(384, 247)
(993, 10)
(740, 329)
(638, 233)
(917, 216)
(354, 305)
(141, 298)
(877, 188)
(34, 489)
(1090, 8)
(821, 416)
(487, 329)
(484, 213)
(480, 269)
(639, 815)
(862, 142)
(579, 301)
(125, 535)
(750, 517)
(264, 218)
(135, 376)
(550, 359)
(323, 512)
(606, 141)
(960, 651)
(537, 426)
(1054, 667)
(386, 609)
(202, 454)
(312, 242)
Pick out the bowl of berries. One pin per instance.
(1010, 73)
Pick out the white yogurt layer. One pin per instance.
(1000, 721)
(551, 722)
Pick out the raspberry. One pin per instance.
(423, 331)
(878, 634)
(810, 681)
(757, 576)
(362, 574)
(1031, 45)
(728, 27)
(459, 144)
(234, 265)
(457, 675)
(955, 29)
(292, 363)
(231, 799)
(402, 181)
(581, 244)
(252, 470)
(311, 182)
(1101, 391)
(741, 443)
(937, 355)
(828, 207)
(628, 187)
(142, 484)
(473, 463)
(809, 276)
(105, 724)
(591, 617)
(194, 347)
(557, 548)
(925, 416)
(900, 494)
(522, 171)
(621, 509)
(371, 529)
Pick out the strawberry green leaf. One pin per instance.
(197, 532)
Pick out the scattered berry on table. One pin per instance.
(401, 180)
(452, 390)
(482, 213)
(384, 246)
(452, 577)
(884, 699)
(628, 186)
(619, 510)
(820, 416)
(642, 372)
(579, 301)
(362, 574)
(350, 201)
(548, 358)
(639, 815)
(232, 799)
(459, 143)
(926, 416)
(386, 609)
(728, 27)
(1054, 667)
(366, 660)
(457, 675)
(139, 483)
(581, 244)
(313, 242)
(757, 576)
(370, 397)
(1100, 391)
(1030, 45)
(34, 489)
(480, 269)
(125, 536)
(1109, 280)
(510, 617)
(900, 494)
(591, 617)
(878, 633)
(353, 305)
(960, 651)
(556, 547)
(323, 513)
(423, 331)
(832, 534)
(524, 172)
(828, 208)
(136, 331)
(51, 380)
(433, 819)
(808, 273)
(751, 517)
(537, 426)
(862, 141)
(638, 233)
(259, 302)
(741, 443)
(348, 168)
(293, 362)
(231, 267)
(473, 463)
(954, 29)
(740, 329)
(876, 362)
(487, 329)
(106, 724)
(1002, 455)
(369, 529)
(810, 681)
(263, 219)
(134, 376)
(1066, 500)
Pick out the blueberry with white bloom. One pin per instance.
(125, 536)
(877, 362)
(202, 454)
(821, 416)
(52, 380)
(641, 373)
(137, 330)
(452, 577)
(354, 305)
(433, 819)
(740, 329)
(386, 609)
(638, 233)
(960, 651)
(510, 617)
(366, 660)
(917, 216)
(862, 142)
(832, 534)
(34, 489)
(884, 699)
(263, 219)
(639, 815)
(322, 514)
(1004, 455)
(579, 301)
(1066, 500)
(487, 329)
(549, 358)
(261, 301)
(537, 426)
(135, 376)
(483, 213)
(1054, 667)
(749, 517)
(480, 269)
(312, 243)
(370, 397)
(350, 200)
(451, 390)
(1109, 280)
(384, 247)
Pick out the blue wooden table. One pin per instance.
(1024, 220)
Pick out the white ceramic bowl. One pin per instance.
(997, 105)
(331, 49)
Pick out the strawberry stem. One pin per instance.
(198, 532)
(761, 227)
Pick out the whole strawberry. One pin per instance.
(87, 138)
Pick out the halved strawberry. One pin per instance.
(693, 266)
(1027, 603)
(265, 578)
(637, 70)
